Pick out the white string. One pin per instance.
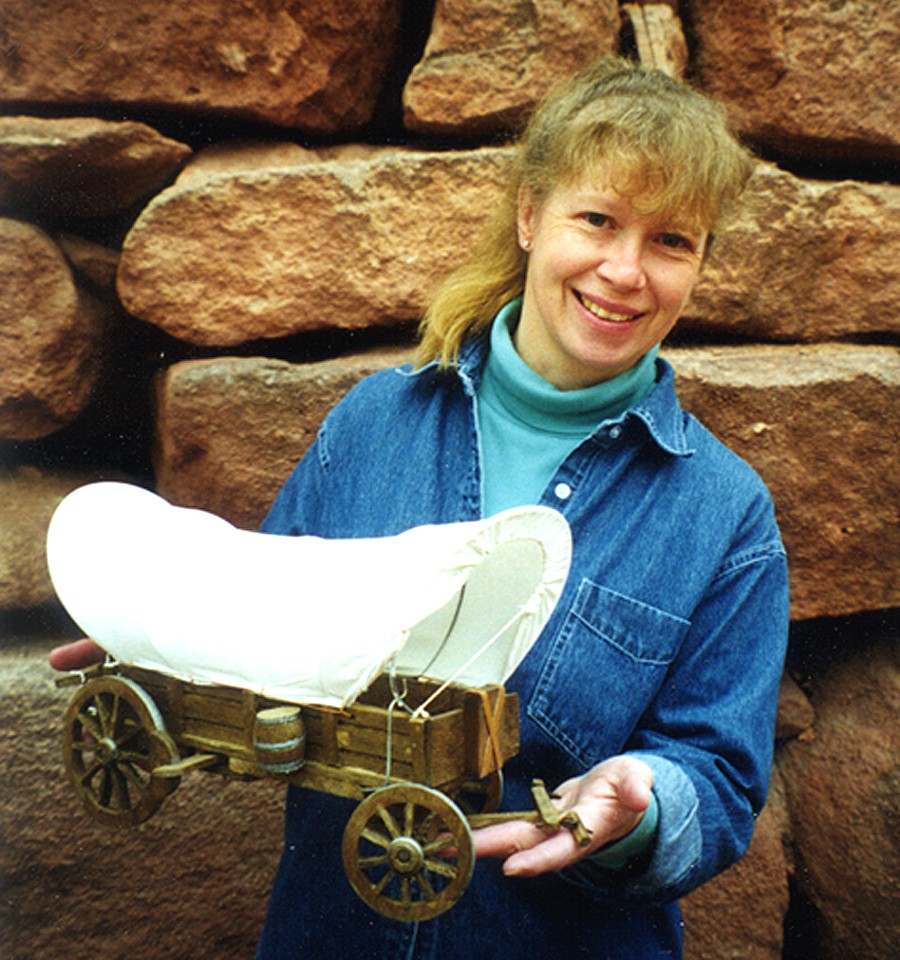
(422, 709)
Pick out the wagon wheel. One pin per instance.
(408, 852)
(481, 796)
(114, 738)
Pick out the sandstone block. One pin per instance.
(842, 790)
(819, 423)
(50, 336)
(740, 914)
(347, 242)
(317, 65)
(28, 497)
(814, 79)
(229, 431)
(796, 714)
(82, 166)
(487, 62)
(91, 261)
(803, 260)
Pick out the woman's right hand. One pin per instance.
(77, 655)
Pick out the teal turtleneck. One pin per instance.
(528, 426)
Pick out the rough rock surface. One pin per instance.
(740, 914)
(488, 61)
(814, 79)
(316, 65)
(819, 423)
(28, 497)
(229, 431)
(842, 789)
(50, 336)
(190, 884)
(348, 242)
(82, 166)
(263, 241)
(803, 260)
(91, 261)
(796, 714)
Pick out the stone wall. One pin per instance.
(216, 217)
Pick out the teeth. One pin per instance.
(605, 314)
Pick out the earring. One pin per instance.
(526, 244)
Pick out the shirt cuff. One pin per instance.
(621, 852)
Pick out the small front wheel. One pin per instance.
(408, 852)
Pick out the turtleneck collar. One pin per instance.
(525, 396)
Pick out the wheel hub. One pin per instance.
(107, 751)
(406, 855)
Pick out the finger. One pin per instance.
(503, 839)
(77, 655)
(634, 793)
(556, 850)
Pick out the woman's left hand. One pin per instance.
(610, 799)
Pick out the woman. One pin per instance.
(649, 699)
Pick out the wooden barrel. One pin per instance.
(279, 739)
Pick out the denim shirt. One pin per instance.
(667, 644)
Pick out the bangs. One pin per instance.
(672, 157)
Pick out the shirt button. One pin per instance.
(563, 491)
(615, 432)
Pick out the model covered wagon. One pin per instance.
(372, 669)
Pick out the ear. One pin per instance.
(526, 217)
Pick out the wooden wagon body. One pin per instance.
(421, 776)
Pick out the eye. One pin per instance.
(596, 219)
(675, 241)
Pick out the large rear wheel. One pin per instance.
(114, 738)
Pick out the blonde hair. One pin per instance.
(653, 138)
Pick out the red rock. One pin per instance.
(50, 336)
(815, 79)
(229, 431)
(82, 166)
(740, 914)
(842, 790)
(803, 260)
(487, 62)
(317, 65)
(351, 238)
(819, 424)
(28, 497)
(796, 714)
(193, 882)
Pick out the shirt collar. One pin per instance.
(659, 411)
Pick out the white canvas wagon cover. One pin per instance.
(304, 619)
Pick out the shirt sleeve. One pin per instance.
(709, 737)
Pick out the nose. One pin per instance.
(622, 264)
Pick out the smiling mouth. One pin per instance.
(602, 314)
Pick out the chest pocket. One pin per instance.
(602, 669)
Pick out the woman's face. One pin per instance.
(604, 283)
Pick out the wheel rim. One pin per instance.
(408, 852)
(114, 738)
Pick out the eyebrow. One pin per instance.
(598, 196)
